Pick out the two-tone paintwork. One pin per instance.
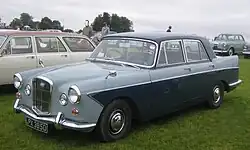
(150, 92)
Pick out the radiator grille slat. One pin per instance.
(41, 95)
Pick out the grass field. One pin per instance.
(197, 128)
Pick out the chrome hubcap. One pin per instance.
(216, 95)
(117, 122)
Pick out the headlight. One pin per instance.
(74, 94)
(224, 44)
(63, 100)
(27, 90)
(17, 81)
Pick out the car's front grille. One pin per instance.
(41, 95)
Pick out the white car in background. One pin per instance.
(25, 50)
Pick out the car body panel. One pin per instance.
(150, 91)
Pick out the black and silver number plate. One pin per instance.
(37, 125)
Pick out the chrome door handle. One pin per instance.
(189, 69)
(41, 62)
(30, 57)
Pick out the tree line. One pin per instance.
(115, 22)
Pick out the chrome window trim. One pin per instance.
(198, 41)
(167, 64)
(136, 39)
(158, 80)
(7, 40)
(82, 37)
(50, 36)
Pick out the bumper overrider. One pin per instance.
(59, 121)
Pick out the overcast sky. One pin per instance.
(203, 17)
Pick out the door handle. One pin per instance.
(212, 66)
(41, 62)
(30, 57)
(189, 69)
(64, 55)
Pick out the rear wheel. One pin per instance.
(115, 121)
(217, 96)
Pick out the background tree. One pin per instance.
(115, 22)
(57, 25)
(15, 23)
(26, 19)
(68, 30)
(46, 23)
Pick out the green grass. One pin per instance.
(197, 128)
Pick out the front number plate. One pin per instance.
(37, 125)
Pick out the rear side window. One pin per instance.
(78, 44)
(18, 45)
(195, 50)
(49, 45)
(171, 53)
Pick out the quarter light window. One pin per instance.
(171, 53)
(77, 44)
(49, 45)
(195, 51)
(18, 45)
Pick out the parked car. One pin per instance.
(228, 44)
(129, 76)
(24, 50)
(246, 51)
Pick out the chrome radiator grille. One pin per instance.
(41, 95)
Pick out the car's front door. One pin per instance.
(17, 55)
(201, 70)
(80, 48)
(50, 51)
(167, 78)
(241, 43)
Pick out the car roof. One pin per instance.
(32, 33)
(154, 36)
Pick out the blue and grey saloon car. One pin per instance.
(129, 76)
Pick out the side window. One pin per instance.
(171, 53)
(78, 44)
(18, 45)
(195, 51)
(49, 45)
(241, 38)
(236, 38)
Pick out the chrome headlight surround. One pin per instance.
(63, 100)
(74, 94)
(17, 81)
(27, 90)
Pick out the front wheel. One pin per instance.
(114, 122)
(217, 96)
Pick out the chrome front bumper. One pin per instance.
(246, 52)
(59, 121)
(220, 51)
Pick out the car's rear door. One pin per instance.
(50, 51)
(80, 48)
(17, 55)
(167, 79)
(201, 70)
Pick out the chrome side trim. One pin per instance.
(235, 83)
(58, 120)
(169, 78)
